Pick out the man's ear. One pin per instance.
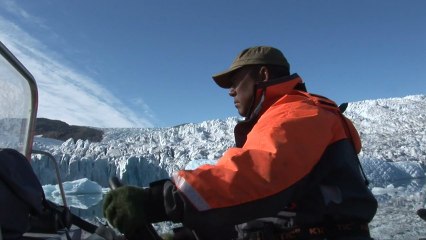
(264, 74)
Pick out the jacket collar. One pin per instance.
(267, 93)
(274, 89)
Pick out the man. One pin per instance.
(294, 173)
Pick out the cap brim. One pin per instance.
(223, 79)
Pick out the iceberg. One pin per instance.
(82, 193)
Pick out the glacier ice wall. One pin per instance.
(392, 130)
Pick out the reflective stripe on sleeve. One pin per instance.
(190, 193)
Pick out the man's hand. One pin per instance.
(124, 208)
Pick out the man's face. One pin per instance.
(242, 90)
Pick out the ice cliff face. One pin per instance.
(137, 156)
(392, 130)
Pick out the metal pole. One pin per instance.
(58, 175)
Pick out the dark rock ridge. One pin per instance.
(59, 130)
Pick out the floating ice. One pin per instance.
(82, 193)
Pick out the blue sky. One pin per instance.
(141, 63)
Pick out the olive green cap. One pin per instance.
(251, 56)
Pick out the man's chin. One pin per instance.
(242, 114)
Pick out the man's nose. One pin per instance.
(232, 92)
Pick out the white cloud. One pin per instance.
(139, 102)
(64, 93)
(12, 7)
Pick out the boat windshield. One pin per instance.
(18, 104)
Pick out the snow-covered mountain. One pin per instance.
(393, 132)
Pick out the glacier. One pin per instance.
(392, 131)
(393, 157)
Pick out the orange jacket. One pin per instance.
(287, 141)
(295, 161)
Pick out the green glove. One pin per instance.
(124, 208)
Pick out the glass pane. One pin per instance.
(15, 108)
